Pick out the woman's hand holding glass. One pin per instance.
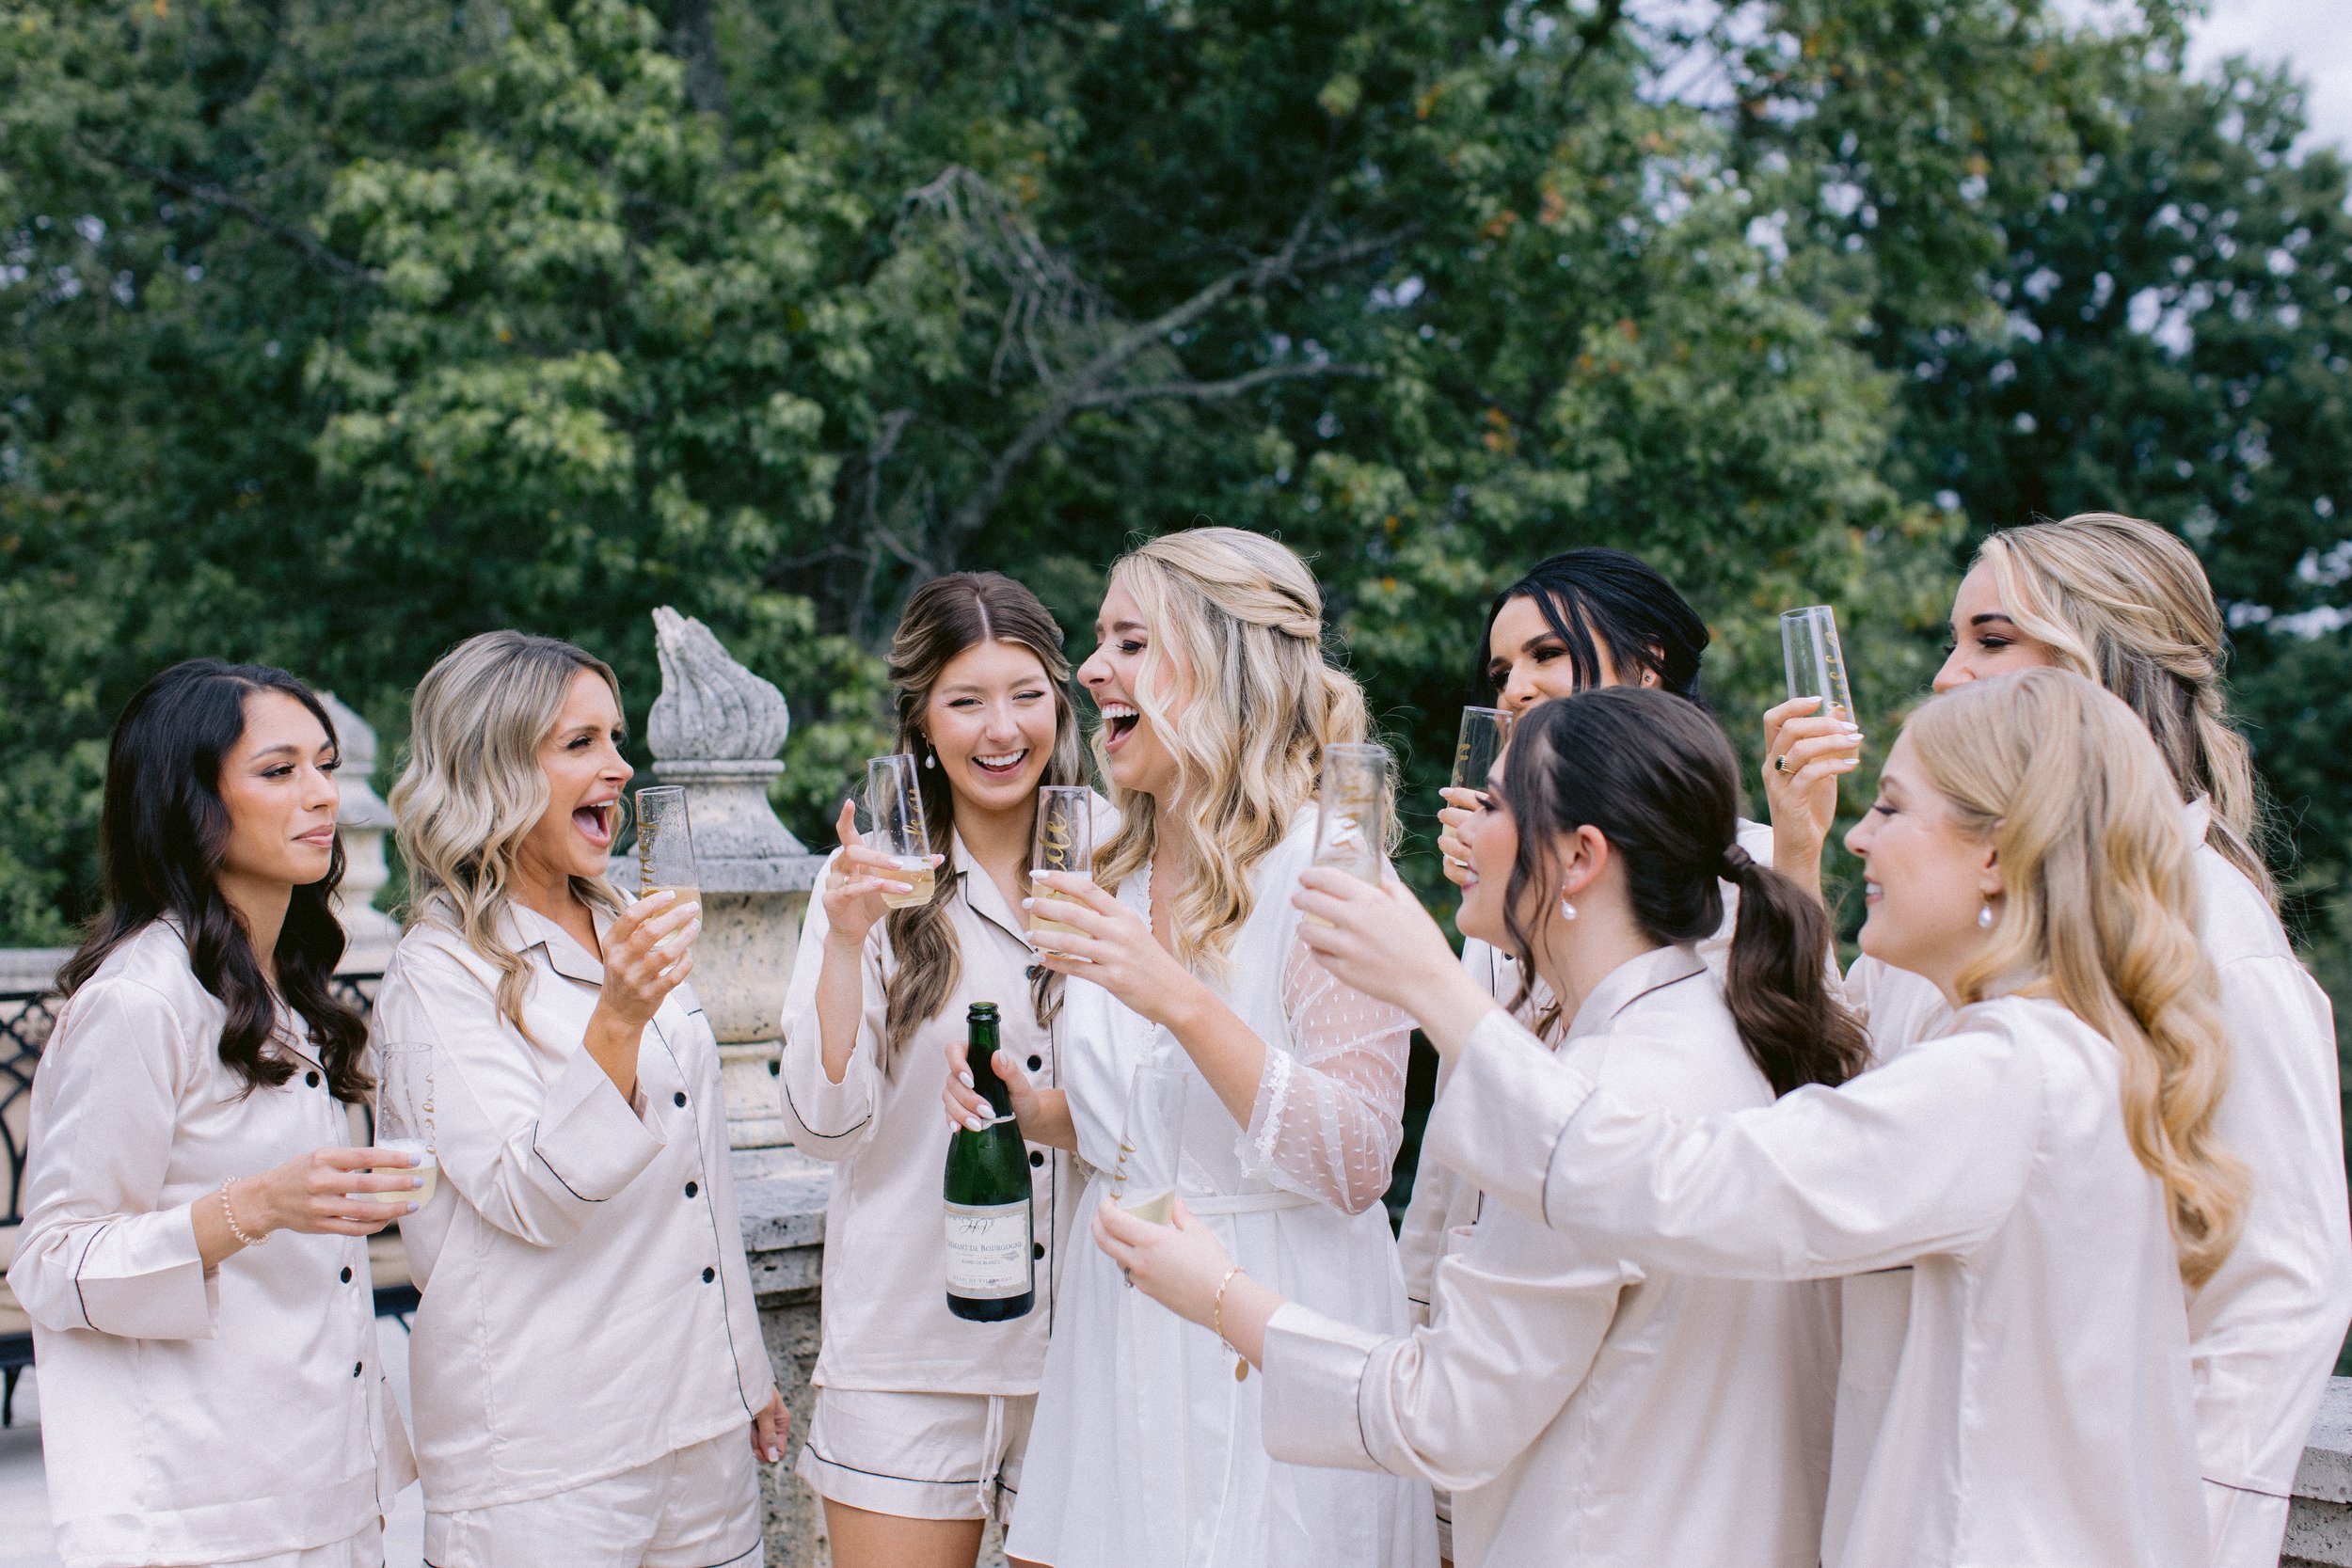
(641, 966)
(1454, 819)
(860, 878)
(1112, 945)
(1805, 754)
(1183, 1266)
(1381, 942)
(327, 1191)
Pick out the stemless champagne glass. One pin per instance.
(894, 798)
(1817, 666)
(665, 850)
(1064, 842)
(1484, 732)
(1151, 1149)
(404, 1118)
(1352, 815)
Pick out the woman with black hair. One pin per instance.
(1580, 1409)
(1583, 620)
(209, 1399)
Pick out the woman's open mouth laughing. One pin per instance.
(594, 822)
(1119, 723)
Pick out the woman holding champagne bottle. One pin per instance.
(2125, 603)
(1288, 1087)
(588, 1381)
(2048, 1168)
(1582, 1410)
(208, 1398)
(922, 1415)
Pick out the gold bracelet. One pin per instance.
(229, 1215)
(1216, 1313)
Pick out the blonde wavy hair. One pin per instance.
(2100, 904)
(2127, 603)
(1236, 687)
(473, 789)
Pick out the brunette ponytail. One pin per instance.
(1656, 775)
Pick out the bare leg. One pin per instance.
(867, 1540)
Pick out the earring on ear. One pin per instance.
(1568, 910)
(1984, 916)
(930, 758)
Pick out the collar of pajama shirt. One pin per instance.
(587, 1308)
(189, 1414)
(886, 1324)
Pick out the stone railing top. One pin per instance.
(360, 806)
(2326, 1475)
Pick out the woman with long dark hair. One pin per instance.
(1582, 1410)
(208, 1398)
(922, 1418)
(1584, 620)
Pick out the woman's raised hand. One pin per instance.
(1452, 821)
(1377, 940)
(854, 887)
(1114, 948)
(314, 1192)
(1804, 757)
(965, 1108)
(647, 951)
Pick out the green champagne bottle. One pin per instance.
(992, 1268)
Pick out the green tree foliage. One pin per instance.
(340, 332)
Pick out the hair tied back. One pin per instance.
(1736, 862)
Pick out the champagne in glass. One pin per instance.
(992, 1268)
(665, 850)
(1484, 732)
(1064, 842)
(894, 798)
(403, 1120)
(1152, 1149)
(1816, 664)
(1352, 817)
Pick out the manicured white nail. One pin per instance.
(966, 1077)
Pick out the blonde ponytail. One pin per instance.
(2099, 902)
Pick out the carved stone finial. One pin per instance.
(711, 709)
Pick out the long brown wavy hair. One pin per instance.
(945, 616)
(2099, 903)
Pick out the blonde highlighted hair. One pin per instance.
(473, 789)
(1236, 689)
(2100, 904)
(2127, 603)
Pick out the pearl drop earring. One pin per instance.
(1984, 916)
(1568, 910)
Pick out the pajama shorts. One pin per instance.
(918, 1456)
(695, 1507)
(362, 1550)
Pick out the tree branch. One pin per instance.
(212, 196)
(1088, 388)
(1117, 397)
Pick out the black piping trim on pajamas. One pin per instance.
(885, 1475)
(82, 1262)
(803, 1121)
(559, 1175)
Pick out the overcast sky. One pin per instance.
(2314, 36)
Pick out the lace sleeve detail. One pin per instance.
(1330, 1107)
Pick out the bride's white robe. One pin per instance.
(1146, 1451)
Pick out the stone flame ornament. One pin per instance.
(716, 728)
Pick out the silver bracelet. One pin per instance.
(229, 1215)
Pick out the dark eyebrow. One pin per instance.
(287, 750)
(1989, 617)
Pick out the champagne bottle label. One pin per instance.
(988, 1250)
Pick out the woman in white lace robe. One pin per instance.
(1145, 1451)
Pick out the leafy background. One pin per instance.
(340, 331)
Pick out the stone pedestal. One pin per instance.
(2319, 1520)
(362, 821)
(715, 729)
